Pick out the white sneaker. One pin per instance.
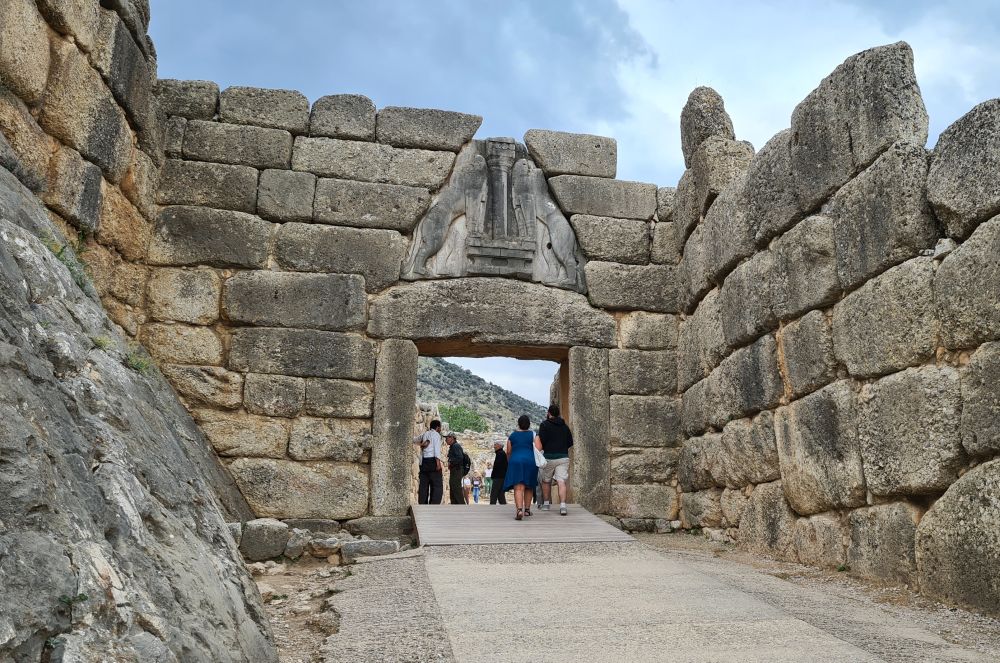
(546, 506)
(562, 511)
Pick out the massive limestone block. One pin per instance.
(613, 240)
(695, 266)
(375, 254)
(882, 542)
(645, 421)
(981, 401)
(645, 501)
(703, 116)
(290, 489)
(967, 288)
(122, 225)
(666, 197)
(698, 403)
(599, 196)
(958, 542)
(695, 463)
(643, 466)
(716, 164)
(665, 247)
(210, 386)
(286, 195)
(263, 538)
(633, 287)
(647, 331)
(868, 103)
(821, 541)
(238, 144)
(204, 236)
(819, 452)
(338, 398)
(184, 295)
(24, 58)
(590, 421)
(274, 395)
(125, 69)
(963, 183)
(702, 509)
(772, 203)
(748, 453)
(350, 116)
(686, 210)
(302, 352)
(371, 162)
(274, 109)
(561, 153)
(807, 348)
(182, 344)
(767, 526)
(805, 268)
(367, 205)
(240, 435)
(425, 128)
(30, 147)
(889, 322)
(395, 398)
(881, 217)
(195, 100)
(909, 428)
(342, 440)
(747, 300)
(749, 380)
(642, 372)
(313, 301)
(725, 232)
(208, 185)
(701, 342)
(479, 309)
(74, 190)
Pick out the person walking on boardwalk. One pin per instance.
(554, 439)
(431, 488)
(522, 473)
(497, 493)
(456, 463)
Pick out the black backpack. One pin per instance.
(466, 463)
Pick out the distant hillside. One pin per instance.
(442, 382)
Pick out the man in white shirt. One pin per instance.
(431, 486)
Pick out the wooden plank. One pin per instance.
(447, 524)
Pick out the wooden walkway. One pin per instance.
(456, 524)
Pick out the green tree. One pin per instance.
(460, 418)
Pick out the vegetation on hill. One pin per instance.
(451, 386)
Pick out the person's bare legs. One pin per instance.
(529, 495)
(547, 491)
(519, 496)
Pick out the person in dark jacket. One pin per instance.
(456, 462)
(497, 496)
(556, 440)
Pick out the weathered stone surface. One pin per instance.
(881, 217)
(125, 69)
(395, 399)
(274, 395)
(78, 18)
(263, 538)
(703, 116)
(644, 502)
(642, 372)
(74, 190)
(716, 163)
(882, 542)
(122, 226)
(695, 464)
(203, 236)
(380, 528)
(298, 541)
(748, 453)
(324, 548)
(726, 234)
(184, 295)
(647, 331)
(805, 268)
(350, 116)
(746, 300)
(182, 344)
(909, 429)
(290, 489)
(807, 348)
(479, 310)
(375, 254)
(208, 185)
(425, 128)
(694, 266)
(370, 162)
(604, 197)
(279, 299)
(967, 288)
(980, 381)
(329, 439)
(701, 342)
(962, 183)
(302, 352)
(30, 145)
(687, 209)
(749, 380)
(698, 402)
(352, 550)
(613, 240)
(206, 385)
(666, 197)
(819, 452)
(80, 111)
(315, 525)
(633, 287)
(889, 322)
(733, 503)
(338, 398)
(767, 526)
(24, 58)
(645, 421)
(368, 205)
(869, 102)
(237, 144)
(666, 247)
(701, 509)
(643, 466)
(140, 181)
(195, 100)
(958, 542)
(285, 195)
(821, 541)
(274, 109)
(561, 153)
(772, 203)
(589, 419)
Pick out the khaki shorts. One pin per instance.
(557, 468)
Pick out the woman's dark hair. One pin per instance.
(523, 422)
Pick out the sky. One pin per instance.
(621, 68)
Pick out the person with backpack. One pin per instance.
(554, 439)
(431, 487)
(459, 464)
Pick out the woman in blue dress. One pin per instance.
(522, 473)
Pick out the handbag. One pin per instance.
(539, 457)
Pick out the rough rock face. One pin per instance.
(704, 115)
(110, 490)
